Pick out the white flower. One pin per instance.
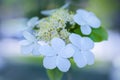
(29, 45)
(82, 46)
(87, 20)
(56, 55)
(49, 12)
(32, 22)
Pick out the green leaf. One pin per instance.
(97, 34)
(54, 74)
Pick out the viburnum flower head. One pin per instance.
(29, 45)
(86, 20)
(57, 54)
(55, 40)
(82, 46)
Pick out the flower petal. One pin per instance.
(85, 29)
(42, 43)
(75, 39)
(86, 43)
(49, 62)
(47, 50)
(32, 21)
(68, 51)
(27, 49)
(78, 18)
(48, 12)
(81, 16)
(24, 42)
(90, 57)
(57, 44)
(29, 36)
(80, 59)
(93, 21)
(35, 50)
(82, 12)
(66, 5)
(63, 64)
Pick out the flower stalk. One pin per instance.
(54, 74)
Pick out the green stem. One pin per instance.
(54, 74)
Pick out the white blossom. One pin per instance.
(29, 45)
(57, 54)
(54, 41)
(55, 25)
(86, 20)
(49, 12)
(32, 22)
(82, 46)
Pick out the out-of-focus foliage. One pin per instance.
(33, 7)
(55, 74)
(104, 9)
(30, 8)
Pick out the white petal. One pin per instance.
(32, 21)
(57, 44)
(47, 50)
(48, 12)
(49, 62)
(82, 12)
(86, 43)
(85, 29)
(29, 36)
(80, 59)
(27, 49)
(68, 51)
(81, 16)
(79, 19)
(42, 43)
(36, 50)
(66, 5)
(63, 64)
(90, 57)
(93, 21)
(75, 39)
(24, 42)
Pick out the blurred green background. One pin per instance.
(13, 17)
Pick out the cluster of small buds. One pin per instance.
(54, 41)
(55, 25)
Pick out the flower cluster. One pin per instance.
(54, 38)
